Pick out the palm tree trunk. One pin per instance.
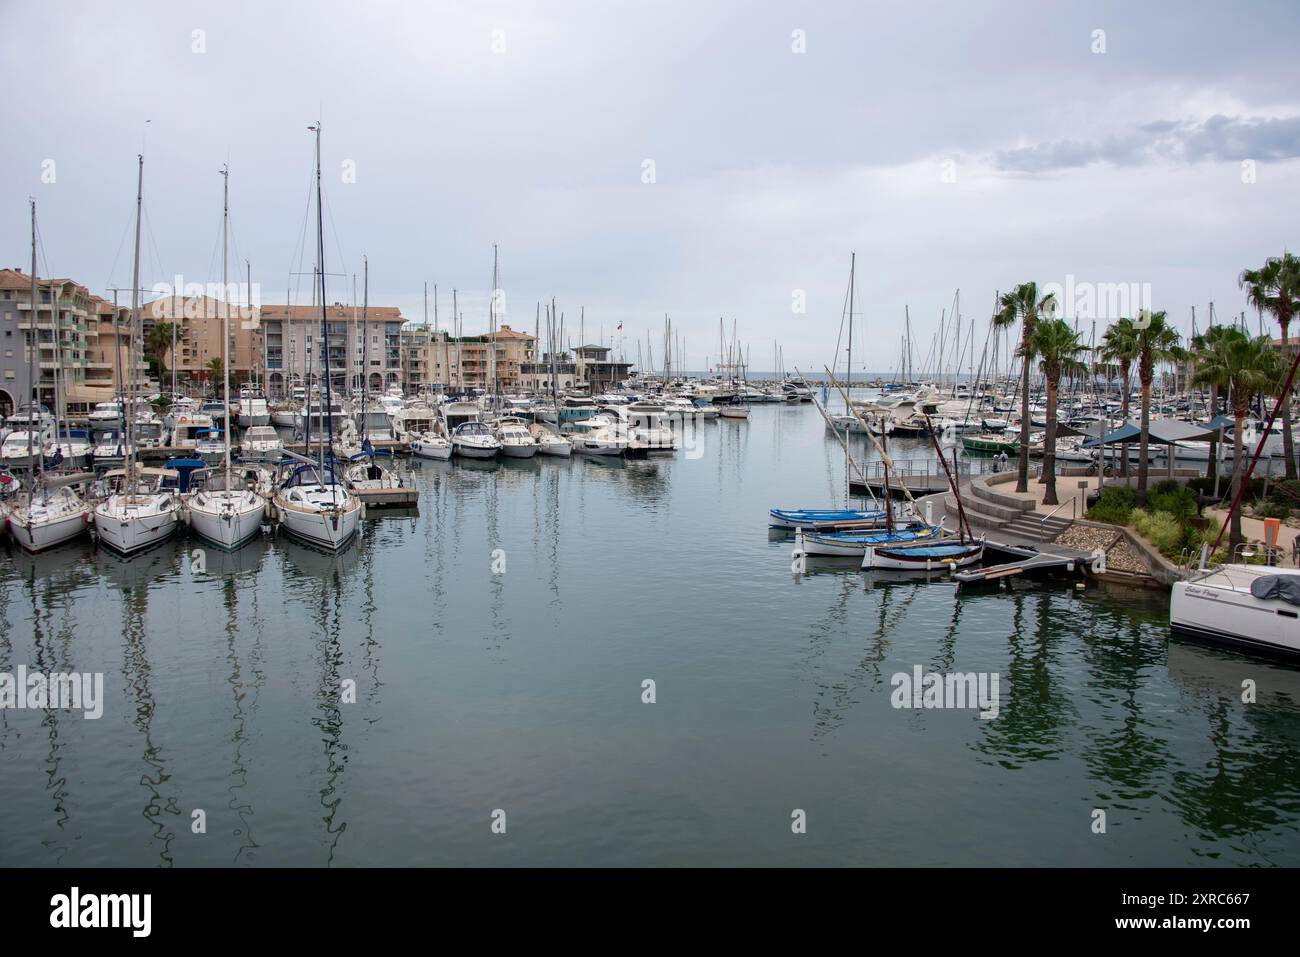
(1124, 410)
(1142, 445)
(1022, 477)
(1212, 470)
(1288, 441)
(1238, 473)
(1049, 444)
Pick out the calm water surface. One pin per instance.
(522, 691)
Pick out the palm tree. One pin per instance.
(1158, 342)
(1244, 365)
(1059, 348)
(1023, 303)
(1201, 344)
(1275, 288)
(158, 344)
(216, 371)
(1120, 345)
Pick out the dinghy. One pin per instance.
(855, 544)
(793, 518)
(926, 556)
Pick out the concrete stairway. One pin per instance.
(988, 509)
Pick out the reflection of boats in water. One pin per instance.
(227, 563)
(1204, 668)
(68, 564)
(303, 560)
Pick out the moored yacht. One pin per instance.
(314, 505)
(141, 511)
(1252, 606)
(223, 508)
(49, 515)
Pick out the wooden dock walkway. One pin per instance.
(1023, 560)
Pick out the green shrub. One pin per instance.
(1272, 508)
(1162, 530)
(1174, 499)
(1114, 505)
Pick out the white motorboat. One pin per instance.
(474, 440)
(261, 443)
(285, 414)
(105, 415)
(188, 425)
(314, 505)
(515, 439)
(108, 449)
(227, 516)
(430, 445)
(49, 517)
(75, 447)
(140, 512)
(1251, 606)
(24, 449)
(253, 409)
(549, 443)
(210, 445)
(602, 440)
(734, 410)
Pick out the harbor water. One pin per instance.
(615, 663)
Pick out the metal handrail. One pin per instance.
(1074, 512)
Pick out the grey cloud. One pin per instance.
(1218, 138)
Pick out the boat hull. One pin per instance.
(855, 546)
(473, 451)
(227, 526)
(519, 451)
(427, 450)
(923, 558)
(40, 535)
(332, 530)
(130, 531)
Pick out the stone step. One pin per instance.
(1001, 499)
(1000, 513)
(975, 513)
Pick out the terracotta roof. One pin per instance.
(336, 313)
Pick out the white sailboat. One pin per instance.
(313, 503)
(140, 512)
(224, 510)
(50, 513)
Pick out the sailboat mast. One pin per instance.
(128, 408)
(32, 349)
(324, 314)
(848, 392)
(225, 308)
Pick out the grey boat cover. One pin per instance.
(1283, 587)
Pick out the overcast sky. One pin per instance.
(952, 145)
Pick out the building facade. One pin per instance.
(64, 328)
(198, 321)
(435, 360)
(362, 354)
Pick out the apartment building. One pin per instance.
(64, 327)
(198, 322)
(437, 360)
(361, 354)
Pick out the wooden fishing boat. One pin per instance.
(925, 556)
(793, 518)
(853, 544)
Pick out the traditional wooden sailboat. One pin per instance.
(927, 556)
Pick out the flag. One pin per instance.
(620, 327)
